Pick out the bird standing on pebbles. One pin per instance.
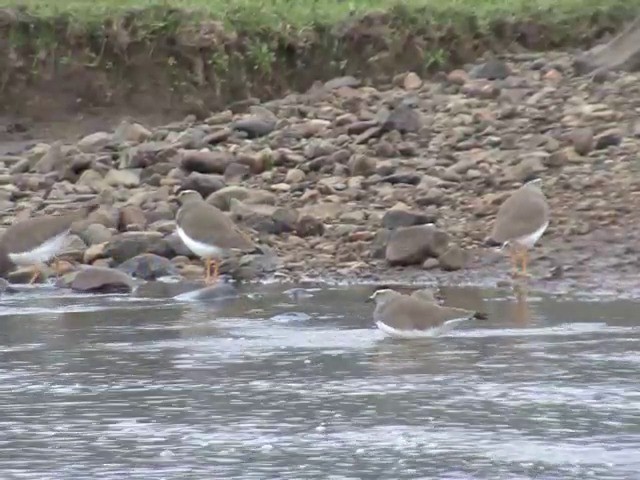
(37, 240)
(520, 222)
(208, 232)
(414, 316)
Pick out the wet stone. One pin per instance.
(101, 280)
(396, 218)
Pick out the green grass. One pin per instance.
(299, 13)
(271, 46)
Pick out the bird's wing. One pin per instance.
(38, 229)
(517, 214)
(217, 228)
(407, 312)
(230, 236)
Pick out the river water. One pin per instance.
(297, 384)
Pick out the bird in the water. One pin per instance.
(35, 241)
(208, 232)
(521, 220)
(411, 316)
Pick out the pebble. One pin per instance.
(350, 179)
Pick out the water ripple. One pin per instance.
(146, 389)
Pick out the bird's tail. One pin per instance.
(490, 242)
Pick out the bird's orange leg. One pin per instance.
(56, 266)
(513, 256)
(524, 263)
(35, 276)
(213, 279)
(207, 270)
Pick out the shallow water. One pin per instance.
(298, 384)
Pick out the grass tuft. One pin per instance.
(266, 47)
(261, 14)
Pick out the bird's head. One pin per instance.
(186, 196)
(534, 182)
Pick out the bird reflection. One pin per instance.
(405, 358)
(521, 312)
(467, 297)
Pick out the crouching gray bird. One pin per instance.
(418, 315)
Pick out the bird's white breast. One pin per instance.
(42, 253)
(419, 333)
(201, 249)
(530, 240)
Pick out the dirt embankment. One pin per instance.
(164, 63)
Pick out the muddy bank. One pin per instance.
(165, 63)
(353, 183)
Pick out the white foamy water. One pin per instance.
(300, 384)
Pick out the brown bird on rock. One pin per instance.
(208, 232)
(520, 222)
(35, 241)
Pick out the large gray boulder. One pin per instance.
(621, 53)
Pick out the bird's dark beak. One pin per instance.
(480, 316)
(369, 299)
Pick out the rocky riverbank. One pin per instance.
(348, 182)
